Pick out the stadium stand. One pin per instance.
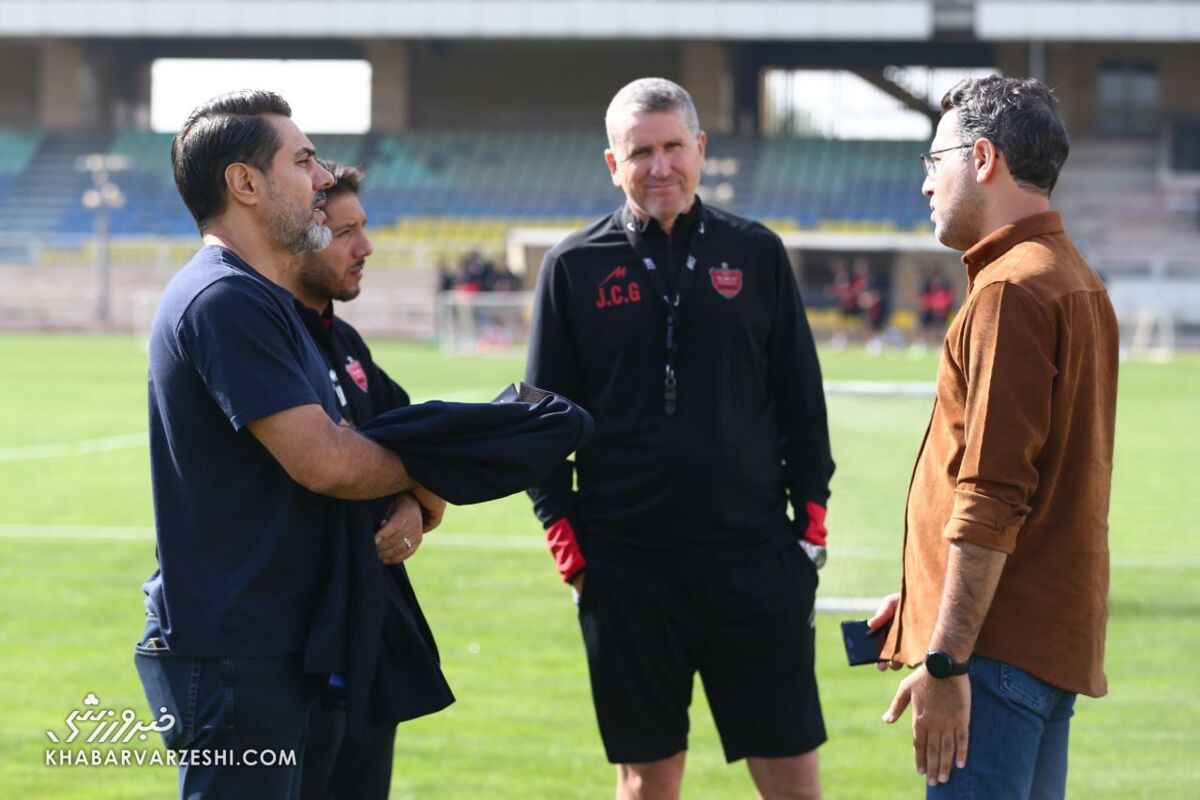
(472, 186)
(152, 205)
(16, 151)
(44, 186)
(478, 174)
(821, 183)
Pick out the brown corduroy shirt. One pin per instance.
(1018, 458)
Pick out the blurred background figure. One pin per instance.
(935, 302)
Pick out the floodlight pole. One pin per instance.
(101, 267)
(102, 198)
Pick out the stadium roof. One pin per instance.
(488, 19)
(719, 20)
(1098, 20)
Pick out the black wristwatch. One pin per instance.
(939, 664)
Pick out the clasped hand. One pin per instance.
(411, 516)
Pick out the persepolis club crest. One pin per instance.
(355, 371)
(727, 281)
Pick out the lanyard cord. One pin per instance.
(633, 231)
(323, 340)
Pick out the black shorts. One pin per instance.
(747, 628)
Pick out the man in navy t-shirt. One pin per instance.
(246, 447)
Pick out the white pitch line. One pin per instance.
(117, 532)
(75, 532)
(533, 541)
(103, 444)
(848, 605)
(481, 394)
(438, 538)
(125, 441)
(881, 388)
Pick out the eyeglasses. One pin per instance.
(931, 165)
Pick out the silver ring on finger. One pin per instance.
(407, 543)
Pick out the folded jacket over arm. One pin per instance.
(369, 625)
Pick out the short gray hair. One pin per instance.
(650, 95)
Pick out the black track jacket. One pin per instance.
(363, 390)
(750, 429)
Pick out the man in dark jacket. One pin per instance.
(341, 761)
(680, 329)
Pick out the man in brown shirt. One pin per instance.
(1003, 603)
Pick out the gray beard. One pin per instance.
(316, 237)
(299, 235)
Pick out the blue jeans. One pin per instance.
(1018, 738)
(240, 723)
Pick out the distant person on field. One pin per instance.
(247, 446)
(1003, 603)
(502, 279)
(872, 299)
(474, 273)
(445, 276)
(680, 328)
(845, 298)
(935, 301)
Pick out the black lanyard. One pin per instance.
(633, 230)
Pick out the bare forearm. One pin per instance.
(360, 469)
(972, 574)
(330, 459)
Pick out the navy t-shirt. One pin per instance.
(239, 542)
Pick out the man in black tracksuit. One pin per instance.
(680, 328)
(339, 763)
(363, 389)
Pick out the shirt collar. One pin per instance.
(684, 224)
(324, 317)
(1000, 241)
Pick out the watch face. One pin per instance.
(938, 664)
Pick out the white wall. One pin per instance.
(485, 19)
(1081, 20)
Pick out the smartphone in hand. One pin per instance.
(863, 645)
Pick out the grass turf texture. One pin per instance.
(523, 726)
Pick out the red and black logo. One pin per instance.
(611, 292)
(727, 281)
(356, 372)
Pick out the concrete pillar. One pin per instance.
(128, 88)
(390, 86)
(18, 90)
(707, 78)
(1037, 60)
(68, 91)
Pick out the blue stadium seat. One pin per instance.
(540, 175)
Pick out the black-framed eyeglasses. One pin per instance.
(927, 158)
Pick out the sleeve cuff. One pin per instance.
(983, 521)
(564, 546)
(815, 532)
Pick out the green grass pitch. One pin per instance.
(75, 544)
